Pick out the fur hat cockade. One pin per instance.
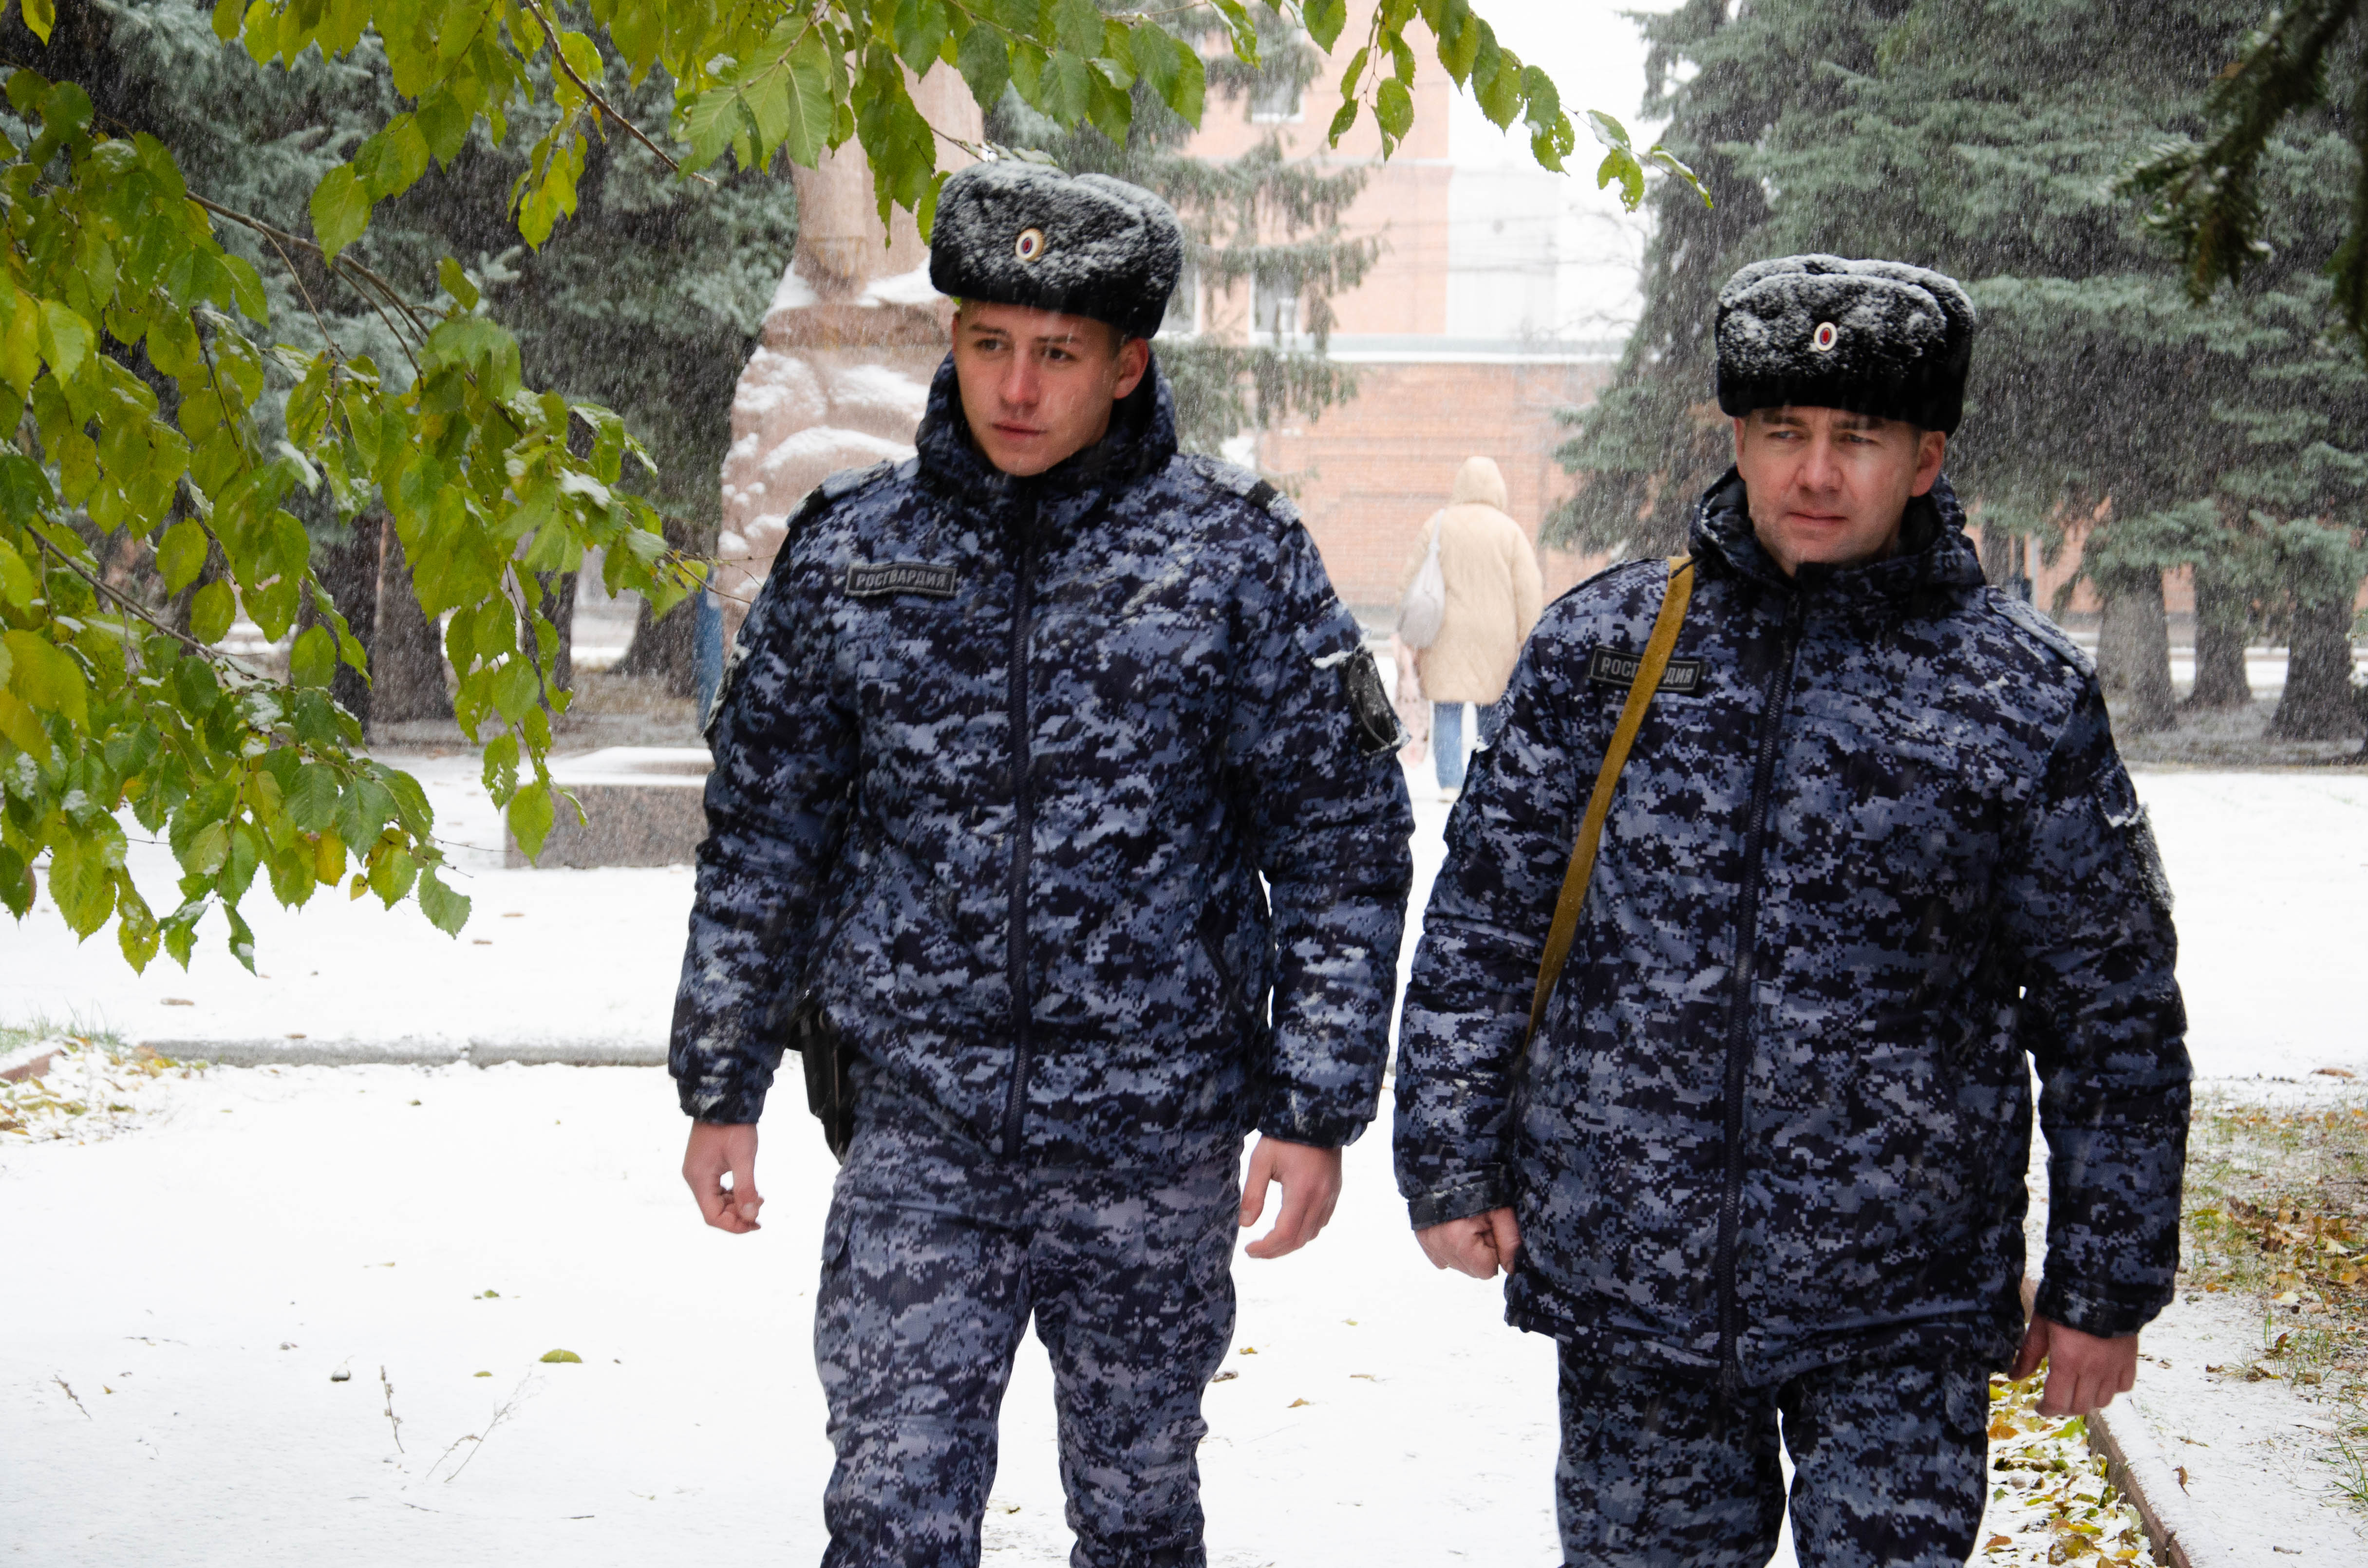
(1873, 337)
(1018, 234)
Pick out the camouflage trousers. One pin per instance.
(1890, 1466)
(935, 1255)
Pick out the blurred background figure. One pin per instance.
(1494, 593)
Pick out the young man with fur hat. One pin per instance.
(1054, 788)
(1753, 1147)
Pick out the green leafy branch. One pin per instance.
(1622, 162)
(139, 389)
(107, 706)
(2205, 195)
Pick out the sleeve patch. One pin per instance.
(2117, 802)
(1378, 734)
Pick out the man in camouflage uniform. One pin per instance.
(1012, 735)
(1872, 856)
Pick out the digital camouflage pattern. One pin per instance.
(1777, 1115)
(935, 1254)
(999, 766)
(1890, 1466)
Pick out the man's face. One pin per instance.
(1038, 386)
(1831, 487)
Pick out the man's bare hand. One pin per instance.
(715, 1148)
(1477, 1245)
(1311, 1186)
(2084, 1371)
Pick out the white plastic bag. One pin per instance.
(1424, 608)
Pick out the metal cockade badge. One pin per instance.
(1029, 245)
(1825, 337)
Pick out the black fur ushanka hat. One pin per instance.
(1874, 337)
(1011, 232)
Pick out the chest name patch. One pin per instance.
(882, 579)
(1609, 666)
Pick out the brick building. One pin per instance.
(1462, 336)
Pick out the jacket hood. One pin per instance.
(1141, 440)
(1933, 549)
(1480, 480)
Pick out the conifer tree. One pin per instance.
(1986, 138)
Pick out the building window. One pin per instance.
(1274, 305)
(1275, 100)
(1183, 317)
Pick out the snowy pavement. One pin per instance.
(2271, 871)
(214, 1251)
(2251, 1459)
(258, 1230)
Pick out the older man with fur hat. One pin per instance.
(1056, 815)
(1730, 1046)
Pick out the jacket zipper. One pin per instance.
(1023, 838)
(1776, 699)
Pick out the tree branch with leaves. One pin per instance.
(149, 409)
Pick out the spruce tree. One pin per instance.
(1986, 138)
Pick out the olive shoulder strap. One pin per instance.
(1599, 805)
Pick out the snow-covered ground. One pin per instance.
(202, 1274)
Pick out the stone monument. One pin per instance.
(841, 372)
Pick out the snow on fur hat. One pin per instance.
(1018, 233)
(1874, 337)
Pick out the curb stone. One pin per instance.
(2134, 1463)
(412, 1052)
(26, 1061)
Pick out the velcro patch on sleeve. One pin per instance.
(1611, 667)
(2117, 802)
(1378, 734)
(881, 579)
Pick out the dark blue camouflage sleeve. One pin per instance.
(784, 741)
(1467, 1001)
(2088, 910)
(1329, 824)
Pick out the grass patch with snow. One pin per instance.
(2050, 1501)
(86, 1085)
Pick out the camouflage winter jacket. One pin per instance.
(999, 765)
(1873, 845)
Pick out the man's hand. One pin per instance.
(1311, 1186)
(717, 1147)
(2084, 1372)
(1477, 1245)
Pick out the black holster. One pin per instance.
(826, 1053)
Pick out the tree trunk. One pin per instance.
(1998, 556)
(2222, 622)
(2319, 703)
(559, 607)
(348, 569)
(665, 648)
(2133, 653)
(407, 666)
